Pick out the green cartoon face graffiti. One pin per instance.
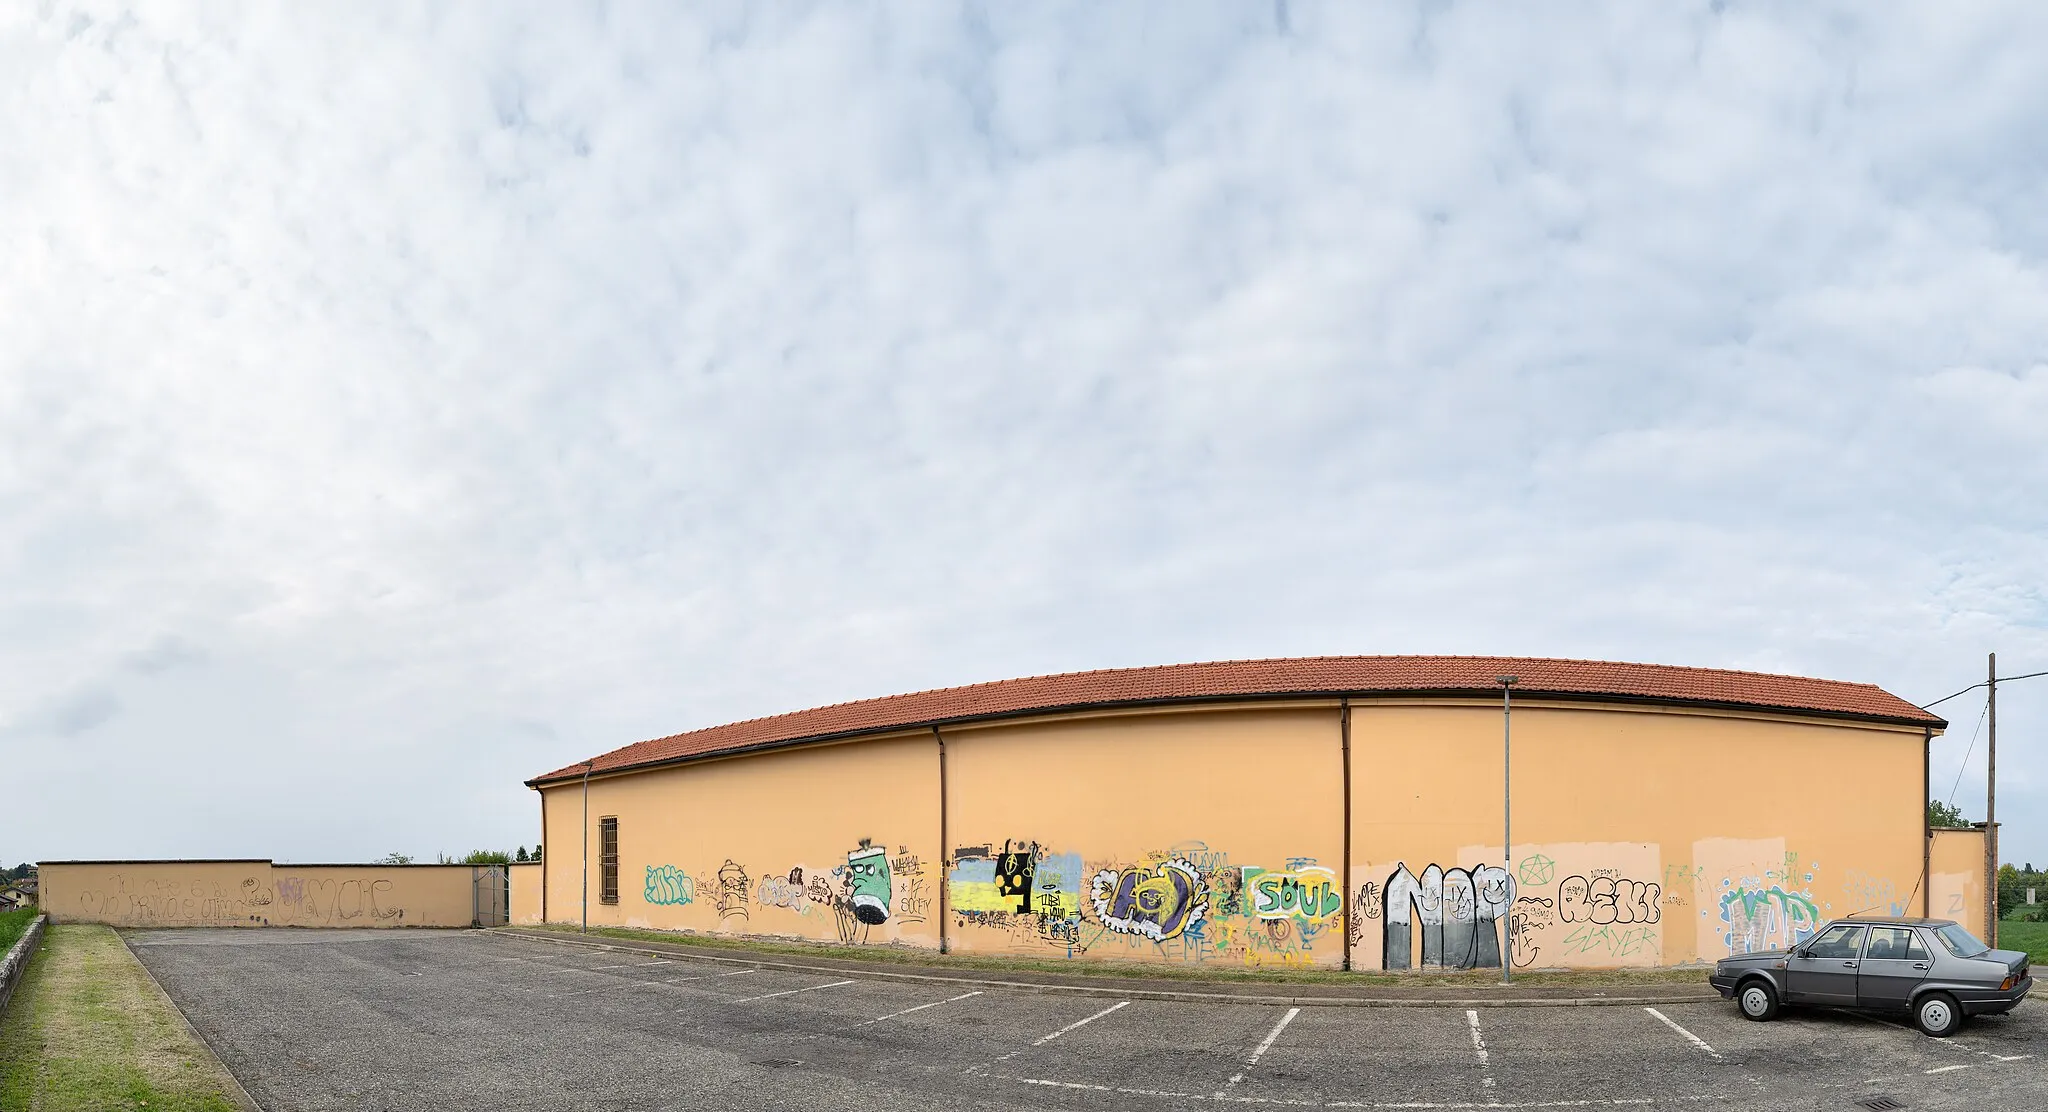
(868, 873)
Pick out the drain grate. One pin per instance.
(1881, 1104)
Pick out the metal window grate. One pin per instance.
(1881, 1104)
(608, 860)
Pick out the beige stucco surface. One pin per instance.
(1643, 836)
(525, 882)
(257, 894)
(780, 844)
(1956, 878)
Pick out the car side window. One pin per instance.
(1894, 944)
(1916, 950)
(1839, 941)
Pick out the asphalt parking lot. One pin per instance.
(461, 1020)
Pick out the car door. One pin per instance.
(1824, 971)
(1894, 960)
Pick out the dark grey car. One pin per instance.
(1932, 968)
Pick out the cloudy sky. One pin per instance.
(396, 403)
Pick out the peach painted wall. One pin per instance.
(256, 894)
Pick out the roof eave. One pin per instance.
(1265, 696)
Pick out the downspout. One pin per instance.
(945, 855)
(1926, 828)
(1344, 731)
(543, 864)
(586, 844)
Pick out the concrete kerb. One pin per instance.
(16, 960)
(236, 1092)
(655, 949)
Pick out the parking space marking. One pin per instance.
(1951, 1069)
(1271, 1037)
(1479, 1046)
(1082, 1022)
(790, 992)
(1689, 1036)
(919, 1008)
(1286, 1102)
(595, 968)
(662, 981)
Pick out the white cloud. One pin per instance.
(399, 405)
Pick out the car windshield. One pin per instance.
(1960, 942)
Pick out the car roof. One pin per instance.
(1898, 920)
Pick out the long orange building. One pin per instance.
(1334, 811)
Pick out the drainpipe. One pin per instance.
(1507, 818)
(586, 844)
(1344, 885)
(1926, 830)
(945, 854)
(543, 865)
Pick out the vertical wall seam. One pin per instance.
(543, 848)
(1344, 881)
(945, 854)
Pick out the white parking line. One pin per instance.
(1689, 1036)
(790, 992)
(1479, 1046)
(595, 968)
(1081, 1022)
(919, 1008)
(1271, 1037)
(1949, 1069)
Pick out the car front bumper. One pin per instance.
(1723, 984)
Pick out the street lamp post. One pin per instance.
(1507, 818)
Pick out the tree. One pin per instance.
(1945, 816)
(521, 855)
(487, 857)
(395, 859)
(536, 851)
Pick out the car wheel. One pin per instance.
(1758, 1000)
(1938, 1015)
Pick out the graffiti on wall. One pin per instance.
(868, 884)
(1157, 903)
(668, 886)
(1607, 898)
(1310, 892)
(733, 886)
(1459, 913)
(171, 901)
(1770, 918)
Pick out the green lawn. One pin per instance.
(2031, 937)
(87, 1031)
(13, 924)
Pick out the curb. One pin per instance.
(1107, 992)
(16, 960)
(236, 1092)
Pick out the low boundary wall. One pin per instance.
(257, 893)
(12, 965)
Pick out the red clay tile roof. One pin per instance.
(1243, 679)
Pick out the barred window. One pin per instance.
(608, 860)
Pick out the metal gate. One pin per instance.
(490, 895)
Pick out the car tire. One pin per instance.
(1937, 1015)
(1757, 999)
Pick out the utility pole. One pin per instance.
(1991, 810)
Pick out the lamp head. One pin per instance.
(1506, 681)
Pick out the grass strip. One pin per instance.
(88, 1031)
(1210, 973)
(2031, 937)
(14, 924)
